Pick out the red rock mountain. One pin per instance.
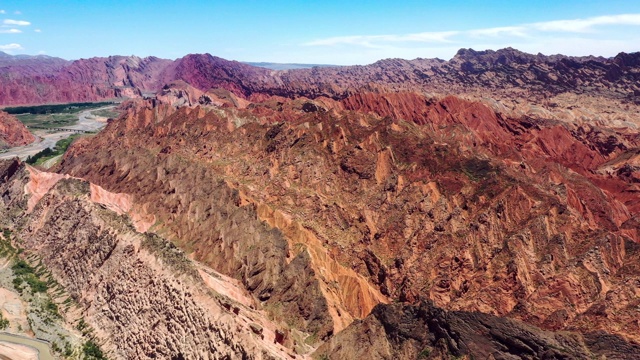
(13, 132)
(508, 73)
(384, 197)
(41, 80)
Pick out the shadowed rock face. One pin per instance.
(13, 132)
(426, 332)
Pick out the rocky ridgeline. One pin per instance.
(425, 332)
(43, 80)
(507, 73)
(438, 198)
(505, 220)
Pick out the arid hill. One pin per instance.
(13, 132)
(387, 197)
(508, 73)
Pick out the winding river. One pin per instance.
(87, 121)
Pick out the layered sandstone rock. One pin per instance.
(424, 197)
(324, 194)
(42, 80)
(141, 295)
(426, 332)
(13, 132)
(507, 74)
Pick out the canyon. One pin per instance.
(482, 207)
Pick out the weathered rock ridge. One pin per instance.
(440, 198)
(50, 80)
(507, 73)
(142, 296)
(425, 332)
(504, 220)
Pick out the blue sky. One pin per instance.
(330, 32)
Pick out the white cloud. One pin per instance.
(10, 31)
(11, 47)
(37, 30)
(18, 12)
(369, 40)
(2, 12)
(584, 25)
(600, 35)
(499, 31)
(16, 22)
(531, 30)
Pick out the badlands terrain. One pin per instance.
(485, 207)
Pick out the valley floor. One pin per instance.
(87, 121)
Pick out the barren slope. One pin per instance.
(473, 209)
(13, 132)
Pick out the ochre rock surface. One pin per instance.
(141, 296)
(440, 198)
(13, 132)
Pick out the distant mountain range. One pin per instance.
(42, 79)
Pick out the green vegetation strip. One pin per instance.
(91, 351)
(48, 120)
(26, 274)
(48, 153)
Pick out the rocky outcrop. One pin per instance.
(425, 332)
(142, 296)
(326, 194)
(507, 73)
(13, 132)
(281, 271)
(420, 197)
(38, 81)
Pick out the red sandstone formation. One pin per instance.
(508, 74)
(13, 132)
(439, 198)
(50, 80)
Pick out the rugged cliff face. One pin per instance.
(144, 298)
(473, 209)
(505, 220)
(13, 132)
(507, 73)
(141, 295)
(426, 332)
(50, 80)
